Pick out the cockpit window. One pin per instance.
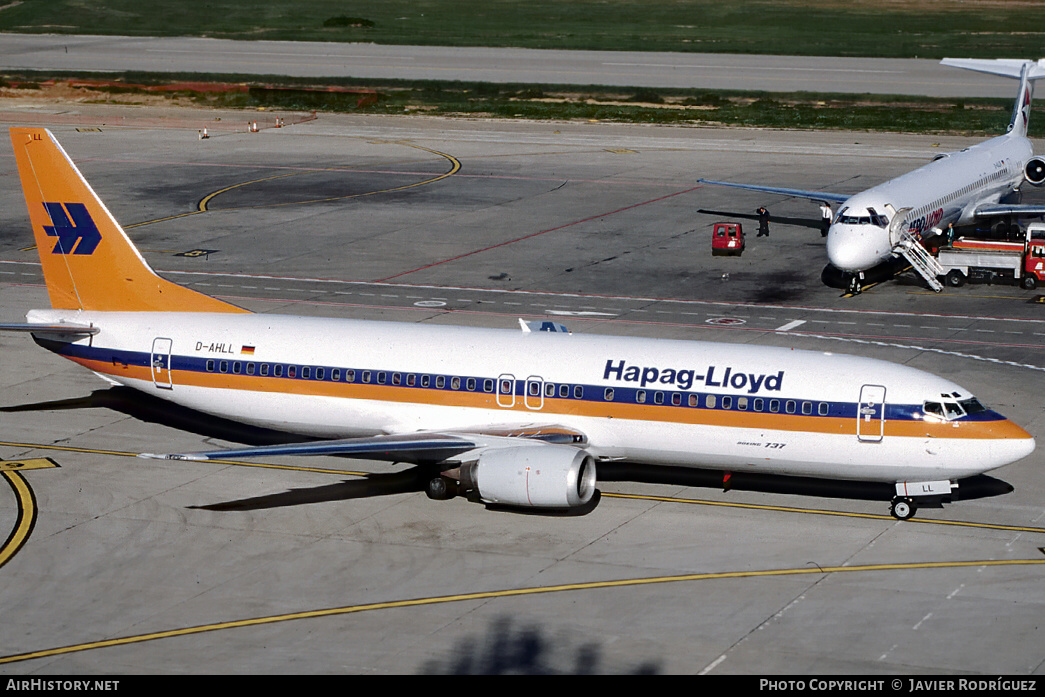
(933, 408)
(972, 406)
(878, 220)
(951, 410)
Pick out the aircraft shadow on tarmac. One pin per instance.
(154, 410)
(509, 647)
(816, 224)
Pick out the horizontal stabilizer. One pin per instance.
(51, 329)
(1006, 67)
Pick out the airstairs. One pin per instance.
(907, 245)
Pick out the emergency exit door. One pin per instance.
(161, 363)
(870, 414)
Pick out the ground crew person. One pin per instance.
(825, 219)
(763, 222)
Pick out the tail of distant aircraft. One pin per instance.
(88, 261)
(1026, 71)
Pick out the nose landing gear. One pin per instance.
(902, 508)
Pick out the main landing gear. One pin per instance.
(441, 488)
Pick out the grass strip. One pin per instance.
(796, 110)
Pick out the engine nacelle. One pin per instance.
(541, 476)
(1035, 171)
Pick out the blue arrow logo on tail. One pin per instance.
(80, 229)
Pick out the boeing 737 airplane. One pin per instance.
(979, 184)
(512, 417)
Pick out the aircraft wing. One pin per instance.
(824, 196)
(410, 447)
(405, 448)
(1002, 209)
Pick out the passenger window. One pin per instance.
(320, 372)
(397, 378)
(640, 396)
(790, 406)
(471, 384)
(223, 367)
(487, 385)
(210, 366)
(759, 404)
(250, 369)
(292, 371)
(335, 374)
(709, 401)
(823, 408)
(350, 376)
(506, 386)
(807, 408)
(277, 370)
(440, 381)
(366, 376)
(264, 369)
(676, 399)
(578, 392)
(608, 394)
(236, 368)
(694, 400)
(381, 377)
(564, 391)
(549, 389)
(774, 405)
(306, 372)
(742, 403)
(727, 402)
(426, 380)
(455, 383)
(658, 397)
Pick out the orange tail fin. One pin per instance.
(88, 261)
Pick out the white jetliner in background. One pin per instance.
(514, 417)
(980, 183)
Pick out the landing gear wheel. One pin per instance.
(902, 509)
(441, 488)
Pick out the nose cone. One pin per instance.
(1008, 442)
(1016, 445)
(856, 247)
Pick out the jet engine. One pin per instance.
(541, 476)
(1035, 171)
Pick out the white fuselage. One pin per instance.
(944, 192)
(684, 403)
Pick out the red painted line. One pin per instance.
(537, 234)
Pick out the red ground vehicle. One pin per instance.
(727, 238)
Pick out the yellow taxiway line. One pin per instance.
(508, 593)
(666, 499)
(203, 206)
(26, 515)
(821, 511)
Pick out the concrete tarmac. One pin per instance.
(909, 76)
(115, 564)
